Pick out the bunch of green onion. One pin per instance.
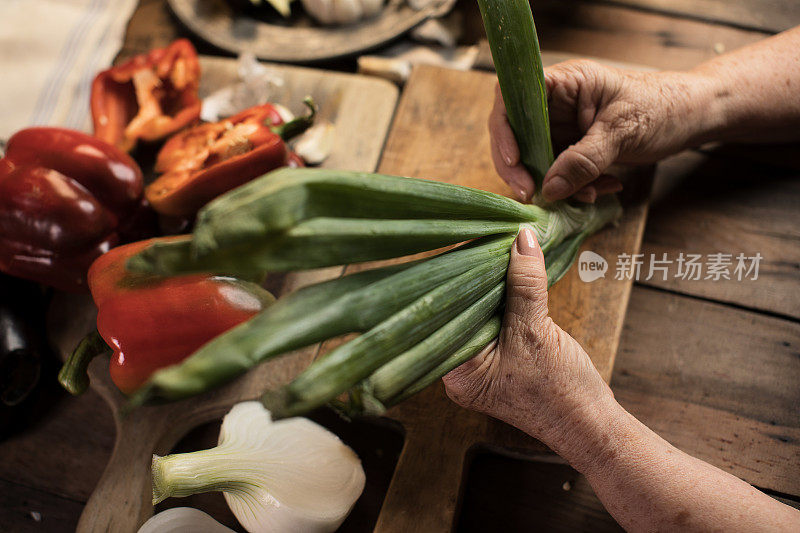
(419, 319)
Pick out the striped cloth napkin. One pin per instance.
(51, 51)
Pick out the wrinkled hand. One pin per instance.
(600, 116)
(535, 377)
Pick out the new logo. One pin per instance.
(591, 266)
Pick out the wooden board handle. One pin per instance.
(425, 488)
(121, 500)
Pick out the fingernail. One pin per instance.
(522, 194)
(588, 195)
(518, 188)
(526, 243)
(556, 188)
(506, 157)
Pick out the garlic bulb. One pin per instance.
(183, 520)
(289, 475)
(342, 11)
(256, 84)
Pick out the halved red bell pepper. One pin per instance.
(64, 196)
(149, 97)
(151, 323)
(205, 161)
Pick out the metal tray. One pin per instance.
(297, 39)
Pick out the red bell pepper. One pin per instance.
(205, 161)
(64, 197)
(151, 323)
(149, 97)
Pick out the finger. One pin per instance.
(556, 75)
(607, 184)
(580, 164)
(517, 177)
(466, 384)
(501, 133)
(588, 194)
(526, 282)
(549, 79)
(475, 367)
(505, 151)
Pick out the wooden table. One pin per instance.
(713, 367)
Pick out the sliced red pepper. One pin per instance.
(205, 161)
(63, 197)
(151, 323)
(149, 97)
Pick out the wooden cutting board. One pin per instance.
(439, 132)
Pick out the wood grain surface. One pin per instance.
(766, 15)
(612, 32)
(718, 383)
(555, 498)
(724, 204)
(27, 510)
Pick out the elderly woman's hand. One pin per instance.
(539, 379)
(536, 377)
(600, 116)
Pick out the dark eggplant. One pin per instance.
(21, 339)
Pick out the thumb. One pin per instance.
(526, 298)
(580, 164)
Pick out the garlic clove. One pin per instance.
(341, 11)
(316, 143)
(320, 10)
(255, 85)
(284, 112)
(347, 11)
(183, 520)
(371, 7)
(282, 7)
